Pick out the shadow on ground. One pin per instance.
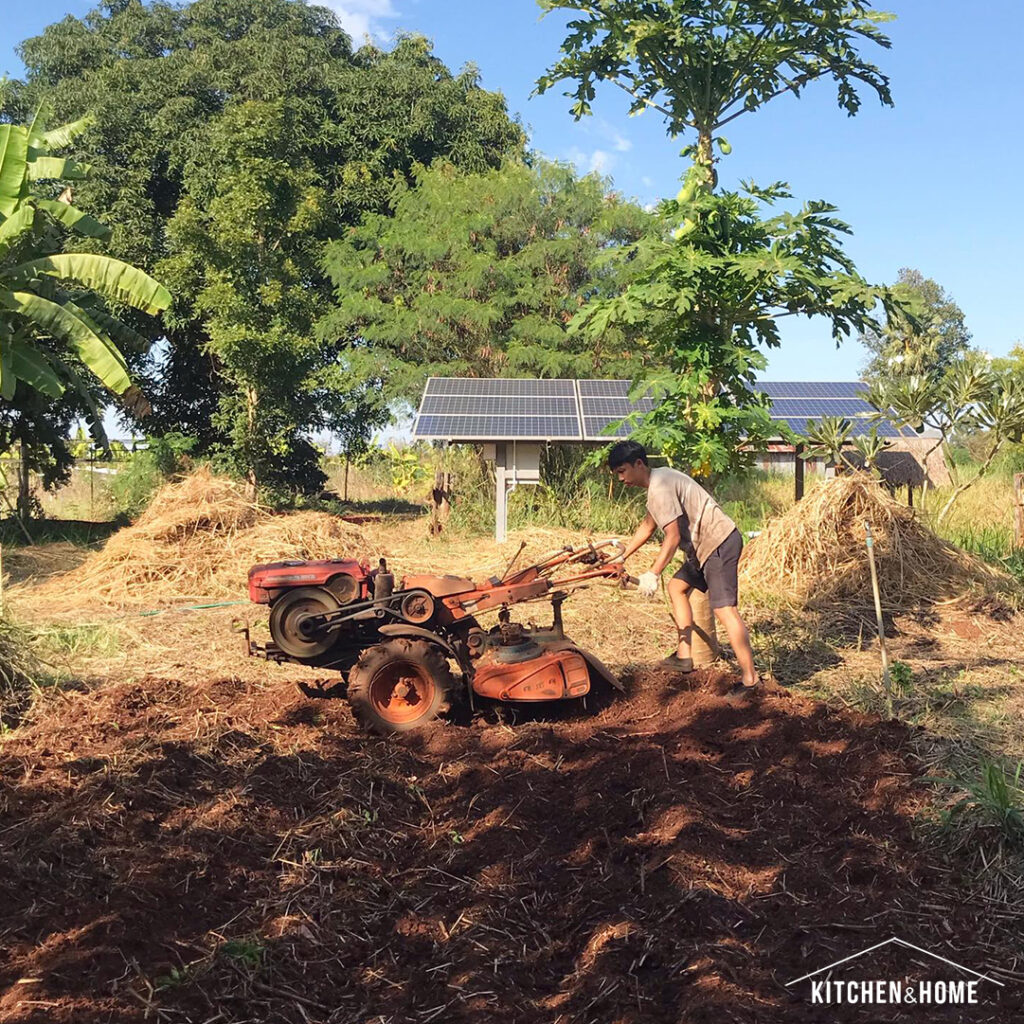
(226, 851)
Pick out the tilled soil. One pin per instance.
(226, 851)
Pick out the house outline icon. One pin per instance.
(899, 942)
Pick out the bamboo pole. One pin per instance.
(869, 540)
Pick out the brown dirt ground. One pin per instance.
(185, 837)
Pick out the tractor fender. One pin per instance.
(595, 664)
(400, 629)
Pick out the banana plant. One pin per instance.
(47, 295)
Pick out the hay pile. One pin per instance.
(197, 539)
(815, 555)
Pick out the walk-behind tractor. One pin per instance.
(396, 647)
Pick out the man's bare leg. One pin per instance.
(682, 614)
(739, 640)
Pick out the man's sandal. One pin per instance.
(676, 664)
(739, 691)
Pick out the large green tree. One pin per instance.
(929, 341)
(232, 138)
(481, 274)
(710, 301)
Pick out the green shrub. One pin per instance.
(147, 470)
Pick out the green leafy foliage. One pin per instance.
(711, 300)
(141, 475)
(231, 139)
(481, 274)
(701, 65)
(46, 294)
(827, 439)
(928, 337)
(990, 799)
(902, 677)
(60, 343)
(968, 395)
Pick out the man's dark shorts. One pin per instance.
(717, 577)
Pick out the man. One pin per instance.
(694, 524)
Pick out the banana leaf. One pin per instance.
(110, 277)
(13, 163)
(69, 324)
(73, 218)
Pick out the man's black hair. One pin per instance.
(626, 451)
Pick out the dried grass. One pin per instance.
(198, 538)
(815, 556)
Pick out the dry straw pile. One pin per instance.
(815, 555)
(197, 539)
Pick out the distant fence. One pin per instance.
(93, 462)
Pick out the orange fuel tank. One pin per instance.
(552, 675)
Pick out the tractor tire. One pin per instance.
(400, 685)
(289, 609)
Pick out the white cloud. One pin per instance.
(648, 182)
(622, 144)
(360, 18)
(599, 160)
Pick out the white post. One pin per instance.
(500, 493)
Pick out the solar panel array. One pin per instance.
(474, 409)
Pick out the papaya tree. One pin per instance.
(731, 267)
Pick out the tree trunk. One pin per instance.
(24, 485)
(251, 403)
(440, 502)
(706, 157)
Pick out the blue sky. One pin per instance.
(932, 183)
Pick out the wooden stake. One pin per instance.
(1018, 519)
(887, 682)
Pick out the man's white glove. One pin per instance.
(648, 584)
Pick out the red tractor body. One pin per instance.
(396, 648)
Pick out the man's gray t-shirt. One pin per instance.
(703, 526)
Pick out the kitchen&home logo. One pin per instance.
(961, 986)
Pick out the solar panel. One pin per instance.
(605, 402)
(511, 387)
(496, 405)
(811, 389)
(604, 388)
(857, 428)
(477, 409)
(499, 428)
(849, 407)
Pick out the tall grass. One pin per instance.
(981, 521)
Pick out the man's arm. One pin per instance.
(669, 546)
(640, 537)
